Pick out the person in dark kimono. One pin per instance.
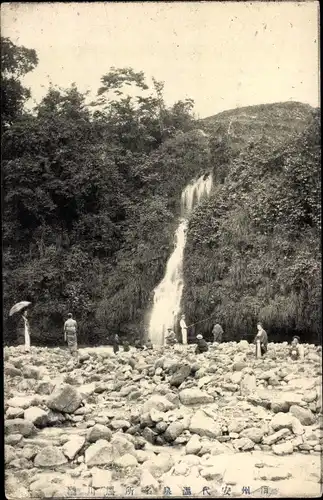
(149, 345)
(126, 346)
(261, 337)
(116, 342)
(201, 345)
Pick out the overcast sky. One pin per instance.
(222, 55)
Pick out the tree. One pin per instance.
(16, 61)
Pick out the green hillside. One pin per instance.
(254, 248)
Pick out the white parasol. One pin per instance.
(19, 307)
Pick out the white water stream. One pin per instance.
(168, 294)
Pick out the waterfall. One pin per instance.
(168, 294)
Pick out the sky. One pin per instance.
(223, 55)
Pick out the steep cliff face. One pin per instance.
(253, 250)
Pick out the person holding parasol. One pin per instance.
(23, 325)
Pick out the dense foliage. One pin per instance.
(91, 200)
(254, 249)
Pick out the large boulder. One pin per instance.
(255, 434)
(98, 431)
(72, 447)
(283, 448)
(19, 426)
(37, 416)
(45, 387)
(55, 418)
(65, 398)
(149, 435)
(203, 425)
(125, 461)
(100, 453)
(194, 396)
(180, 375)
(14, 412)
(243, 444)
(304, 415)
(302, 383)
(194, 445)
(239, 365)
(156, 415)
(174, 430)
(11, 370)
(288, 421)
(158, 402)
(236, 426)
(50, 456)
(277, 436)
(282, 401)
(30, 371)
(120, 424)
(122, 445)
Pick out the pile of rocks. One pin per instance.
(143, 418)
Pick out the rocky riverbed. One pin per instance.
(163, 422)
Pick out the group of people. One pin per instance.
(296, 350)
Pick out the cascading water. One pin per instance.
(168, 294)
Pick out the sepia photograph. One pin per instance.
(162, 258)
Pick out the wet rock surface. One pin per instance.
(149, 421)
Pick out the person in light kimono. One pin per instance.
(183, 326)
(26, 330)
(217, 333)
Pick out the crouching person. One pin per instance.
(201, 345)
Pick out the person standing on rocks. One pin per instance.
(126, 346)
(116, 342)
(70, 334)
(296, 349)
(201, 345)
(183, 326)
(261, 337)
(25, 329)
(217, 333)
